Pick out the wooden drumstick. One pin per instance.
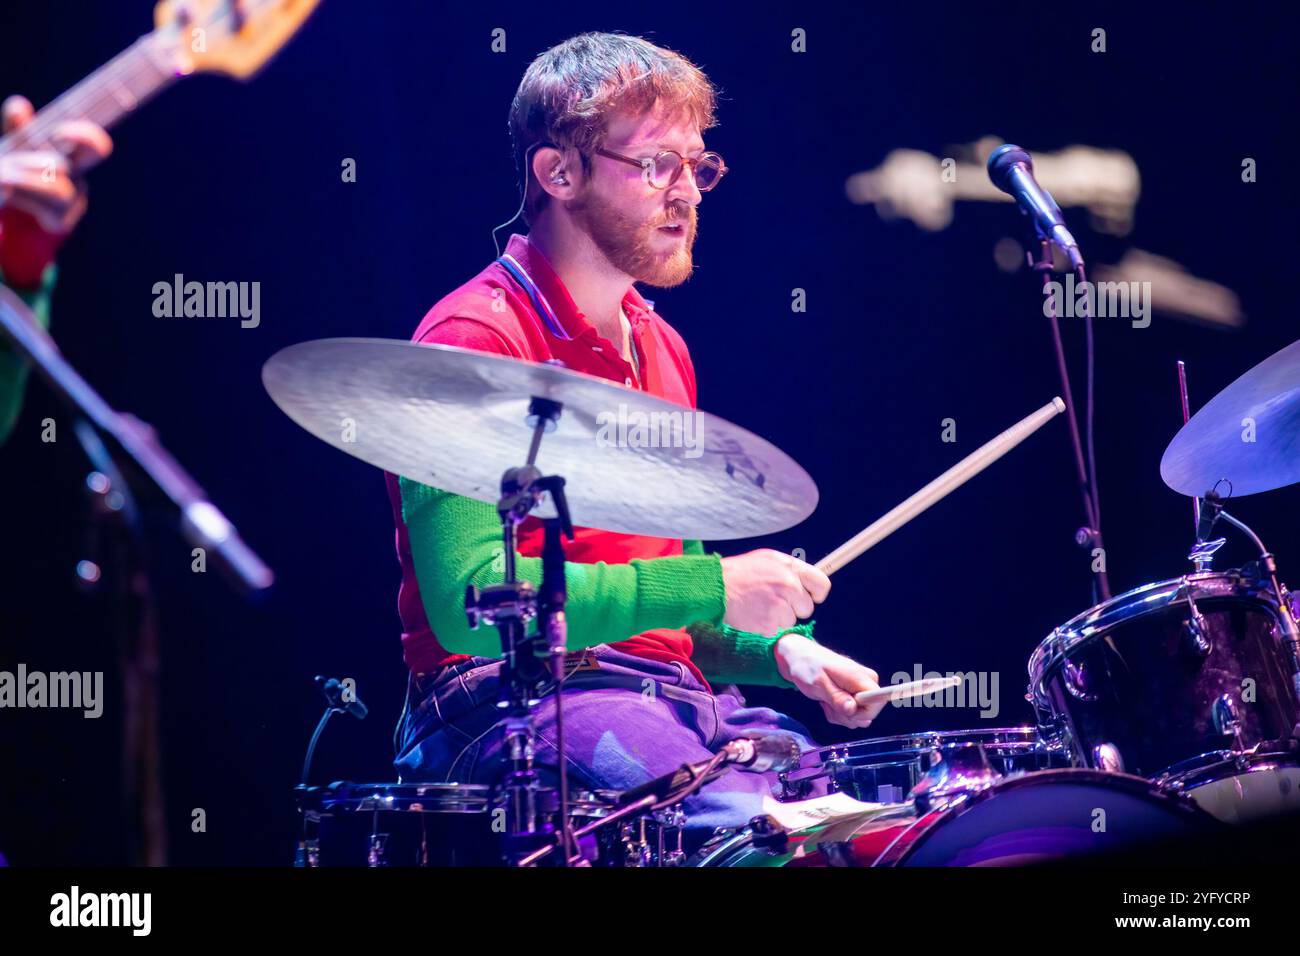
(914, 688)
(949, 481)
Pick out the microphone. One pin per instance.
(1211, 506)
(1012, 171)
(333, 691)
(761, 754)
(757, 754)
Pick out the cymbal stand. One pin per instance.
(510, 606)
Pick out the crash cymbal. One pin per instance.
(1248, 434)
(456, 419)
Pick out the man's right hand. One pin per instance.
(769, 590)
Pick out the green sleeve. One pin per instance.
(456, 541)
(13, 370)
(726, 655)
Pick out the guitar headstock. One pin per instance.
(234, 37)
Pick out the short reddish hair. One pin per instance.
(568, 93)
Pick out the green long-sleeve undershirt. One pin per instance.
(14, 370)
(456, 541)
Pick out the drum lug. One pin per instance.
(1076, 681)
(1194, 633)
(954, 771)
(375, 856)
(308, 853)
(1227, 720)
(1106, 756)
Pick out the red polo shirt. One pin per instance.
(492, 313)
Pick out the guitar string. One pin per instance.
(95, 86)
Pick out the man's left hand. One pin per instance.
(829, 678)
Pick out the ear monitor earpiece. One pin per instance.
(556, 177)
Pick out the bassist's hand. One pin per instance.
(43, 190)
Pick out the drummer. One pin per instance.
(608, 132)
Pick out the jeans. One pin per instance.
(627, 720)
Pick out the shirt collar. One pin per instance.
(551, 286)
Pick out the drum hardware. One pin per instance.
(954, 771)
(768, 834)
(1194, 630)
(376, 855)
(1202, 553)
(510, 607)
(308, 852)
(888, 770)
(449, 824)
(645, 845)
(1106, 756)
(1227, 720)
(759, 754)
(1076, 681)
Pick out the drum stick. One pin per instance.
(914, 688)
(949, 481)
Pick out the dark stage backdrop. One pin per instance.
(903, 328)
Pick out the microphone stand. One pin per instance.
(308, 852)
(202, 524)
(1088, 536)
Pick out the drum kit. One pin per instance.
(1166, 713)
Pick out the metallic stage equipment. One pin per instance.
(888, 769)
(452, 824)
(1168, 678)
(1248, 435)
(454, 419)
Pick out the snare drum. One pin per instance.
(887, 769)
(1168, 678)
(1032, 818)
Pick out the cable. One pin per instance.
(1091, 390)
(523, 196)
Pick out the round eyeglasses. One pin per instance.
(664, 169)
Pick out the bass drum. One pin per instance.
(1245, 789)
(1033, 818)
